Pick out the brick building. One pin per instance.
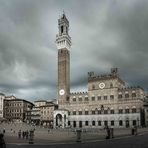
(17, 109)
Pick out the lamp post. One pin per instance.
(138, 121)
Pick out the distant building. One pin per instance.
(42, 112)
(2, 97)
(35, 115)
(17, 109)
(108, 101)
(47, 113)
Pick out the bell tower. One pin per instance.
(63, 42)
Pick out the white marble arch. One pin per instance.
(60, 118)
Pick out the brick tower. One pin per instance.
(63, 42)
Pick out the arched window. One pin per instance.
(86, 123)
(86, 98)
(62, 28)
(112, 122)
(80, 98)
(111, 85)
(99, 123)
(126, 95)
(127, 110)
(74, 123)
(93, 87)
(93, 123)
(74, 99)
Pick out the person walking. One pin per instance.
(19, 134)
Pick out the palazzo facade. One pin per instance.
(108, 101)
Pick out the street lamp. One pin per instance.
(138, 121)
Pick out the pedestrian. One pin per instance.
(135, 128)
(2, 141)
(19, 134)
(48, 130)
(27, 133)
(107, 132)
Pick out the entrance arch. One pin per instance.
(59, 120)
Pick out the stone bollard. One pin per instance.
(78, 135)
(133, 131)
(31, 137)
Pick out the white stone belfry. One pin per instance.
(63, 40)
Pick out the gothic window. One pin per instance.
(80, 98)
(133, 95)
(93, 98)
(74, 123)
(67, 98)
(93, 112)
(112, 123)
(93, 87)
(86, 112)
(80, 124)
(111, 97)
(74, 99)
(99, 111)
(120, 122)
(105, 97)
(68, 123)
(111, 85)
(120, 111)
(80, 112)
(126, 95)
(134, 122)
(120, 96)
(86, 123)
(86, 98)
(105, 111)
(133, 110)
(106, 123)
(112, 111)
(74, 112)
(126, 110)
(99, 123)
(93, 123)
(99, 97)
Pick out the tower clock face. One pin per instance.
(62, 92)
(101, 85)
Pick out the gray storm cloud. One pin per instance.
(104, 34)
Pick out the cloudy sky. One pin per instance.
(105, 34)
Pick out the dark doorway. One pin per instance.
(74, 123)
(58, 120)
(127, 123)
(80, 124)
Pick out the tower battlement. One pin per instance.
(79, 93)
(113, 75)
(131, 88)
